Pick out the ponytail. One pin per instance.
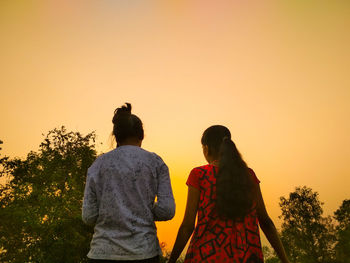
(234, 187)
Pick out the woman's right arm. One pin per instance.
(90, 204)
(90, 209)
(269, 228)
(188, 224)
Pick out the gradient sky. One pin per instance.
(275, 73)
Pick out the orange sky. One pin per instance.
(277, 74)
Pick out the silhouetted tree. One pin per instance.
(166, 254)
(40, 210)
(307, 235)
(269, 255)
(2, 162)
(342, 248)
(40, 206)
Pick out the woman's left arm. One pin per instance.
(188, 223)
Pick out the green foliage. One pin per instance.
(40, 210)
(269, 255)
(40, 207)
(342, 248)
(165, 258)
(307, 235)
(342, 215)
(3, 161)
(166, 254)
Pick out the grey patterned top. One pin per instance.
(119, 200)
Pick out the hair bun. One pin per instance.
(122, 111)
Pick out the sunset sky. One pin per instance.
(276, 73)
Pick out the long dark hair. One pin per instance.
(126, 125)
(234, 185)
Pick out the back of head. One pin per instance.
(234, 187)
(126, 125)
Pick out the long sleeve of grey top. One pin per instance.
(164, 208)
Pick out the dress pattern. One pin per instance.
(215, 239)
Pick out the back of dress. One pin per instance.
(119, 200)
(215, 239)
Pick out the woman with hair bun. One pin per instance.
(119, 198)
(226, 198)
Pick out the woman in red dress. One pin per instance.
(226, 198)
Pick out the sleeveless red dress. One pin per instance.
(215, 239)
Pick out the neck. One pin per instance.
(130, 142)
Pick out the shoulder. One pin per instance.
(103, 159)
(105, 156)
(155, 157)
(94, 168)
(152, 159)
(197, 174)
(200, 170)
(203, 168)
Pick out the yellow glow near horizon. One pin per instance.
(276, 74)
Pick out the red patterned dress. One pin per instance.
(215, 239)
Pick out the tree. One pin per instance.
(166, 254)
(40, 206)
(2, 162)
(342, 248)
(307, 235)
(269, 255)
